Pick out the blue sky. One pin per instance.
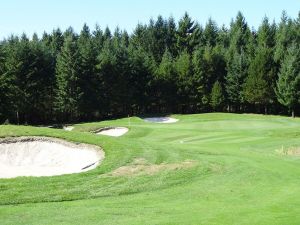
(30, 16)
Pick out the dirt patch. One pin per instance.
(140, 166)
(291, 151)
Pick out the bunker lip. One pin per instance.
(160, 119)
(112, 131)
(44, 156)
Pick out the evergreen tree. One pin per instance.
(142, 67)
(107, 34)
(284, 37)
(297, 29)
(4, 83)
(217, 97)
(184, 34)
(98, 38)
(40, 82)
(160, 32)
(237, 72)
(288, 84)
(210, 33)
(56, 41)
(256, 88)
(266, 34)
(165, 82)
(238, 56)
(88, 82)
(112, 65)
(209, 66)
(171, 36)
(69, 92)
(184, 81)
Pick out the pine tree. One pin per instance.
(297, 29)
(142, 67)
(256, 88)
(160, 32)
(199, 79)
(185, 31)
(171, 36)
(266, 34)
(217, 97)
(288, 84)
(57, 41)
(68, 93)
(237, 72)
(98, 38)
(210, 33)
(165, 82)
(284, 37)
(238, 56)
(112, 65)
(41, 82)
(209, 66)
(107, 34)
(89, 82)
(184, 80)
(3, 85)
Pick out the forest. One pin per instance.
(162, 67)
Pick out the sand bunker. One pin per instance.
(161, 120)
(113, 131)
(68, 128)
(41, 156)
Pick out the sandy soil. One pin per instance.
(41, 156)
(113, 131)
(161, 120)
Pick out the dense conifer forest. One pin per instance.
(162, 67)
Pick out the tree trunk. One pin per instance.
(266, 110)
(293, 113)
(18, 119)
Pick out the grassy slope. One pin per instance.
(239, 177)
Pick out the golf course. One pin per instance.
(215, 168)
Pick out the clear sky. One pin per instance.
(30, 16)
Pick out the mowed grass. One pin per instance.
(237, 175)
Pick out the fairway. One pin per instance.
(203, 169)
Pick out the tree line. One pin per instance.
(162, 67)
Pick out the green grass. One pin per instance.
(239, 175)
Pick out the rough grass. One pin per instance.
(205, 169)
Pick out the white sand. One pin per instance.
(68, 128)
(161, 120)
(38, 156)
(114, 131)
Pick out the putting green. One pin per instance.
(204, 169)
